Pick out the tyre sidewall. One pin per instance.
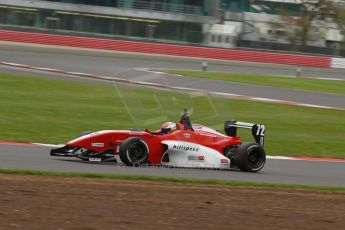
(242, 153)
(125, 155)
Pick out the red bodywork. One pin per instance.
(111, 139)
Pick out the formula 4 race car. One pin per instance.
(182, 145)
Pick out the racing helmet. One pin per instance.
(168, 127)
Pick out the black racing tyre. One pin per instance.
(134, 152)
(250, 157)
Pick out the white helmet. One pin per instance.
(168, 127)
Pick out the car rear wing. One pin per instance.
(258, 130)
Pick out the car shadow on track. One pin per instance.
(121, 165)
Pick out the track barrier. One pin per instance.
(176, 50)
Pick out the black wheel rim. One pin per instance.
(255, 158)
(137, 152)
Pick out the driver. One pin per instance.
(168, 127)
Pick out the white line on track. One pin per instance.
(159, 71)
(280, 158)
(49, 145)
(47, 69)
(136, 68)
(165, 86)
(247, 97)
(332, 79)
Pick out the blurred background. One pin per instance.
(302, 26)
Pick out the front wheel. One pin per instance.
(250, 157)
(134, 151)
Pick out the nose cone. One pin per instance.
(81, 139)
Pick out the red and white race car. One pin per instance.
(185, 145)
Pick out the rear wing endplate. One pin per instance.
(258, 130)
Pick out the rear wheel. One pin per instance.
(134, 152)
(250, 157)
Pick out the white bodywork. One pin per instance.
(206, 129)
(191, 155)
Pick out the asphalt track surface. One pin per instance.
(126, 66)
(275, 171)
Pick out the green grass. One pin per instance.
(44, 110)
(309, 84)
(168, 179)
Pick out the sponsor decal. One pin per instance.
(224, 161)
(97, 144)
(196, 158)
(118, 149)
(185, 148)
(187, 135)
(197, 127)
(94, 159)
(137, 133)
